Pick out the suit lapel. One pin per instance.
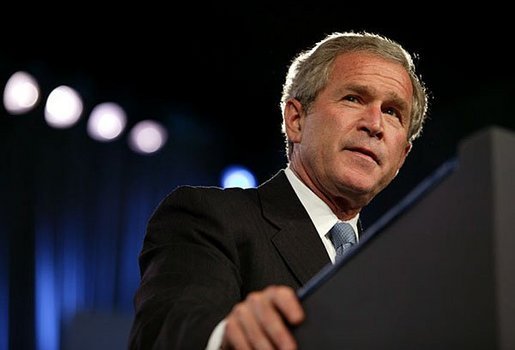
(296, 239)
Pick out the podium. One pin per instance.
(439, 276)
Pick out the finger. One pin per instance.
(234, 337)
(271, 318)
(245, 320)
(286, 301)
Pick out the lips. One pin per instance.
(366, 152)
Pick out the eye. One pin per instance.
(390, 111)
(393, 112)
(351, 98)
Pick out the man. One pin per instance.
(220, 267)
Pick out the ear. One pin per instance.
(293, 120)
(407, 149)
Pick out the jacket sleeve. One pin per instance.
(189, 273)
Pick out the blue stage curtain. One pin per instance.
(4, 274)
(79, 210)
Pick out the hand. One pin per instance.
(261, 320)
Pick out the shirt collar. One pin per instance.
(319, 212)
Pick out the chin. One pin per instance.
(361, 183)
(361, 189)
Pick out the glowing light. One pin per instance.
(147, 137)
(63, 107)
(106, 122)
(21, 93)
(238, 176)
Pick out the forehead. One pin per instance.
(365, 67)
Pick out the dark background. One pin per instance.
(221, 67)
(212, 73)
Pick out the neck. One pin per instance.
(341, 206)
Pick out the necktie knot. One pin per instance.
(343, 237)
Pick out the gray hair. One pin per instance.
(309, 72)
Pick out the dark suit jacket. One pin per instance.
(206, 248)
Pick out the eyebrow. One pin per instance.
(368, 91)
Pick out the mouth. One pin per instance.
(366, 152)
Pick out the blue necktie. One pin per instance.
(343, 237)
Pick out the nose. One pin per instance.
(371, 122)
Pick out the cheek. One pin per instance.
(328, 128)
(316, 130)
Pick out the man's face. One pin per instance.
(354, 139)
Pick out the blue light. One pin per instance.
(47, 318)
(238, 176)
(4, 291)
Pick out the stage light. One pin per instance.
(238, 176)
(147, 137)
(21, 93)
(106, 122)
(63, 107)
